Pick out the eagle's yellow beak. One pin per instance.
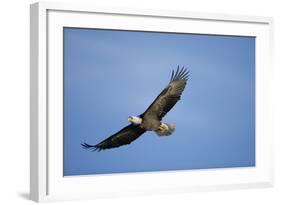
(130, 119)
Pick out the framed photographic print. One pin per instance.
(128, 102)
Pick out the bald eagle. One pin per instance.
(151, 119)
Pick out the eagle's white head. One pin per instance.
(135, 120)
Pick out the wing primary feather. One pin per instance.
(90, 147)
(181, 72)
(185, 75)
(172, 76)
(176, 73)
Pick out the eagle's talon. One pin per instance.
(161, 128)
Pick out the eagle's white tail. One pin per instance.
(165, 129)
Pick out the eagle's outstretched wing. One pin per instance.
(123, 137)
(169, 96)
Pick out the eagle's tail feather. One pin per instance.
(166, 129)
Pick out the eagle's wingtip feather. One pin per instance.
(90, 147)
(180, 74)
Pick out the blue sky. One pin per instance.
(110, 75)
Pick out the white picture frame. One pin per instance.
(46, 179)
